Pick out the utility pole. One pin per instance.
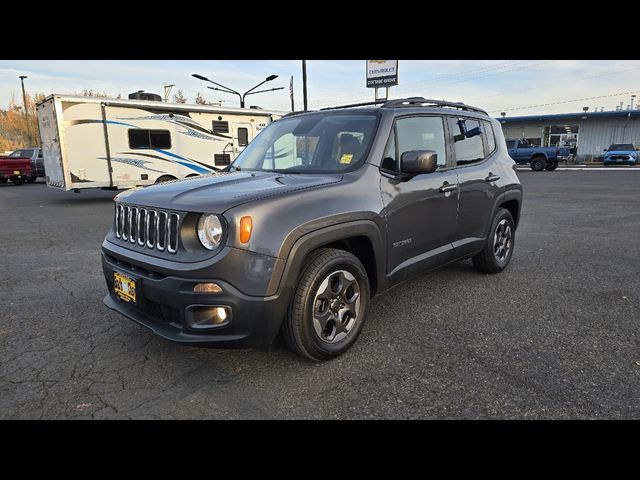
(304, 84)
(167, 91)
(26, 110)
(293, 108)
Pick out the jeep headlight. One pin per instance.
(209, 231)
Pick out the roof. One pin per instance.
(567, 116)
(186, 107)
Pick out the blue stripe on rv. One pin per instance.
(185, 162)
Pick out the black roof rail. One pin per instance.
(297, 112)
(419, 101)
(377, 102)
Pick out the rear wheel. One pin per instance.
(3, 180)
(551, 166)
(32, 179)
(538, 164)
(329, 306)
(499, 245)
(165, 178)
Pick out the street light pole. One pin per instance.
(26, 110)
(304, 84)
(241, 95)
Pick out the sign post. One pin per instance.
(382, 74)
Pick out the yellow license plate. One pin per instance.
(16, 172)
(125, 287)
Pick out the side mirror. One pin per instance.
(604, 150)
(419, 161)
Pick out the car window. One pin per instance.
(422, 133)
(491, 139)
(17, 153)
(511, 144)
(467, 137)
(325, 142)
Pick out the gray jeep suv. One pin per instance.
(322, 211)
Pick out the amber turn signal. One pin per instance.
(246, 225)
(207, 288)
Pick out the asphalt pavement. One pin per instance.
(553, 336)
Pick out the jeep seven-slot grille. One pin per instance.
(156, 229)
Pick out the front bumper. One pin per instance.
(620, 161)
(164, 302)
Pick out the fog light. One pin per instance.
(207, 288)
(200, 317)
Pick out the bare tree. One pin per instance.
(200, 99)
(179, 97)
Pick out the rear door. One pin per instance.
(243, 133)
(479, 179)
(50, 138)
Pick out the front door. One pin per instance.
(421, 211)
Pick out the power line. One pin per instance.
(454, 78)
(564, 101)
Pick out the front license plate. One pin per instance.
(125, 287)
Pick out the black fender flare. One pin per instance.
(322, 236)
(511, 194)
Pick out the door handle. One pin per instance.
(448, 188)
(492, 177)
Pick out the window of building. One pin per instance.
(467, 137)
(219, 126)
(243, 136)
(422, 133)
(143, 139)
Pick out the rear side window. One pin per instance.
(491, 139)
(511, 144)
(141, 139)
(467, 138)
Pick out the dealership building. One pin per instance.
(589, 132)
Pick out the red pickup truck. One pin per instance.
(16, 169)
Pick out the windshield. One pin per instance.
(322, 143)
(620, 147)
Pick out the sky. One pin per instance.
(516, 87)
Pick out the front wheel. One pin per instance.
(499, 245)
(538, 164)
(17, 181)
(329, 306)
(551, 166)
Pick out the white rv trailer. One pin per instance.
(90, 142)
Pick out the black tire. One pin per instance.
(538, 164)
(488, 261)
(32, 179)
(300, 330)
(165, 178)
(3, 180)
(551, 166)
(17, 181)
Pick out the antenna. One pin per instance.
(167, 91)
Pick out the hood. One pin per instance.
(219, 192)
